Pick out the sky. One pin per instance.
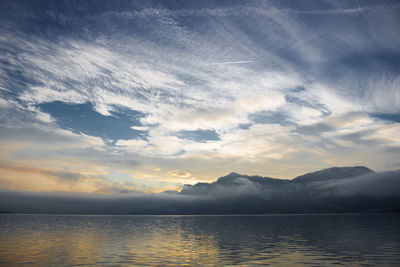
(145, 96)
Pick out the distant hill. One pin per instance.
(235, 179)
(230, 178)
(333, 173)
(336, 189)
(333, 190)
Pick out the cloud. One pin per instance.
(245, 86)
(33, 133)
(179, 173)
(266, 10)
(59, 175)
(89, 204)
(377, 184)
(315, 129)
(239, 195)
(231, 62)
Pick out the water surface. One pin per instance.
(350, 240)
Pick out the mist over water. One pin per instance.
(231, 194)
(353, 240)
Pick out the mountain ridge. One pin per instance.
(332, 173)
(234, 194)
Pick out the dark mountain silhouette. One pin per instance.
(235, 179)
(333, 190)
(230, 178)
(336, 189)
(333, 173)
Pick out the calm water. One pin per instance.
(351, 240)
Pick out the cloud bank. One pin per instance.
(260, 87)
(232, 194)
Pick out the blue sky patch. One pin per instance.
(388, 117)
(269, 117)
(199, 135)
(83, 118)
(245, 126)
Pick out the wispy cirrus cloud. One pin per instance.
(244, 86)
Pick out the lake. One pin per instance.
(285, 240)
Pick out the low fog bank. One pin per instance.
(376, 184)
(65, 203)
(232, 194)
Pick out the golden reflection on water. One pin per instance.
(92, 245)
(174, 248)
(48, 240)
(43, 249)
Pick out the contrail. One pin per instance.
(229, 62)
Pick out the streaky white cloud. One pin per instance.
(229, 62)
(243, 10)
(3, 103)
(213, 75)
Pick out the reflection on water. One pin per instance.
(197, 240)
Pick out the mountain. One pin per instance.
(333, 190)
(337, 189)
(236, 180)
(333, 173)
(232, 180)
